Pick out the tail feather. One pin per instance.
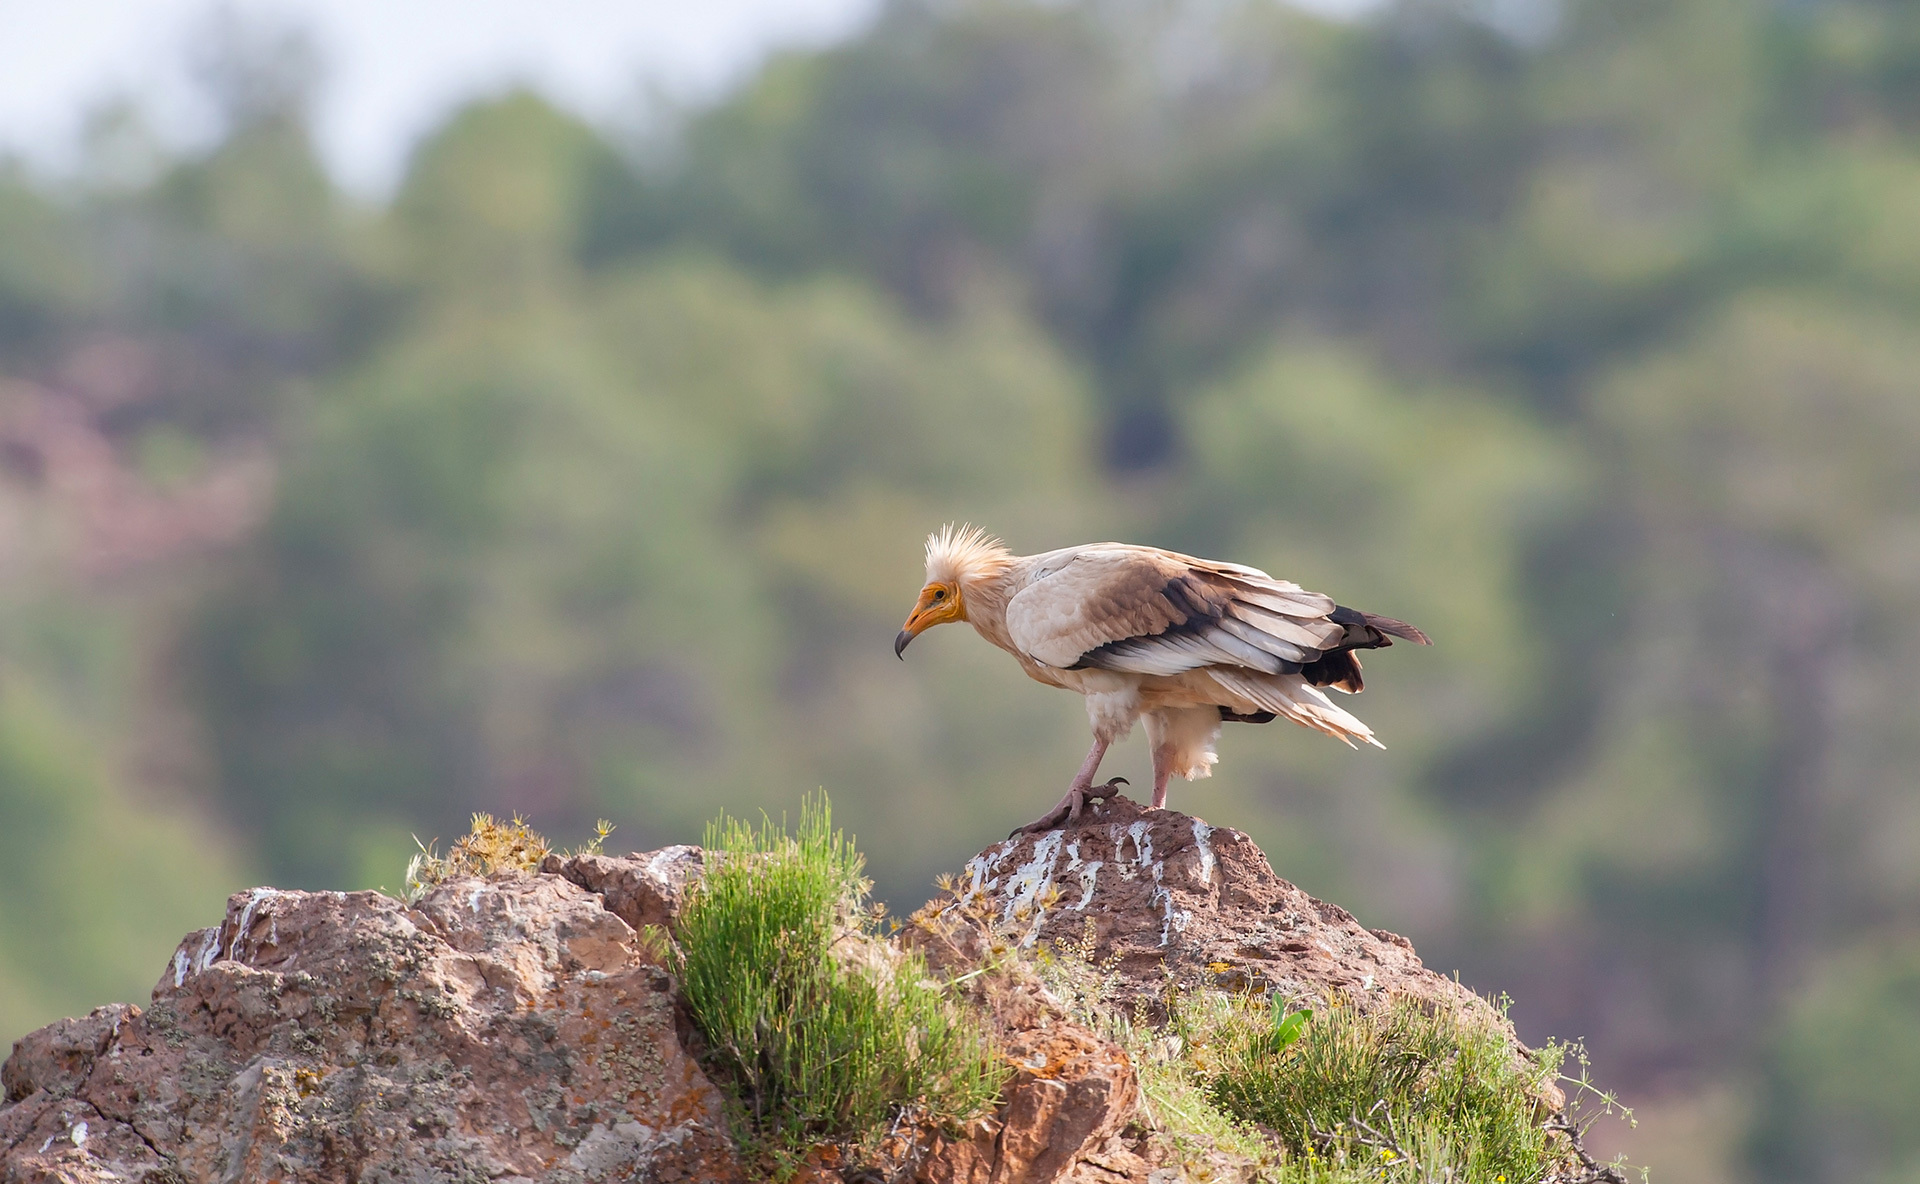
(1370, 631)
(1295, 698)
(1397, 628)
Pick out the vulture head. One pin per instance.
(958, 558)
(939, 603)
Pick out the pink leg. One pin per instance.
(1162, 772)
(1078, 793)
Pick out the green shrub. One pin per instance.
(1409, 1093)
(822, 1033)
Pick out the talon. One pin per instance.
(1069, 809)
(1051, 820)
(1040, 826)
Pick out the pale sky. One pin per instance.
(393, 67)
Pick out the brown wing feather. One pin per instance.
(1090, 596)
(1397, 628)
(1145, 611)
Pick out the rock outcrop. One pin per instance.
(1168, 894)
(519, 1028)
(499, 1030)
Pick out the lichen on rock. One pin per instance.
(498, 1028)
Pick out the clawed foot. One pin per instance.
(1070, 806)
(1097, 793)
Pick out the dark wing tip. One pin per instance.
(1339, 669)
(1248, 717)
(1397, 628)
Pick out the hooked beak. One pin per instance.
(938, 604)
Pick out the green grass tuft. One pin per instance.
(1239, 1087)
(1406, 1092)
(1171, 1059)
(823, 1034)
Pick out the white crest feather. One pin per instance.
(964, 553)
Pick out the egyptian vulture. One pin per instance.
(1187, 643)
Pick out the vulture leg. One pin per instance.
(1162, 773)
(1078, 794)
(1181, 740)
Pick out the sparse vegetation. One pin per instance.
(1170, 1058)
(824, 1033)
(1412, 1092)
(1403, 1093)
(489, 848)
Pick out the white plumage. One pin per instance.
(1185, 643)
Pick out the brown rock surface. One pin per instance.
(1168, 893)
(515, 1029)
(640, 889)
(1064, 1107)
(497, 1030)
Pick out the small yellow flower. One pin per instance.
(1387, 1153)
(1219, 967)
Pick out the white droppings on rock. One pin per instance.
(255, 899)
(79, 1133)
(981, 869)
(1201, 834)
(1089, 874)
(1141, 833)
(1029, 887)
(1172, 920)
(208, 953)
(180, 968)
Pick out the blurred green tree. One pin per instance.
(600, 479)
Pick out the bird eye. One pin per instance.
(939, 593)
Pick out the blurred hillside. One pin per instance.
(586, 479)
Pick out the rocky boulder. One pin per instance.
(518, 1028)
(510, 1029)
(1166, 893)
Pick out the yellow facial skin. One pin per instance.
(938, 604)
